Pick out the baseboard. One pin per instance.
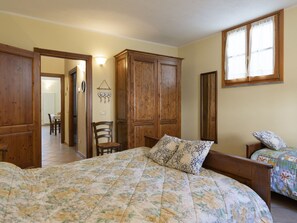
(81, 155)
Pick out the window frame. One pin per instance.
(277, 76)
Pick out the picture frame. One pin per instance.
(83, 86)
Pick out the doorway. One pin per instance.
(88, 93)
(73, 107)
(58, 101)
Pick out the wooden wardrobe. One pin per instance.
(147, 97)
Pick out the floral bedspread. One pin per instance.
(284, 172)
(124, 187)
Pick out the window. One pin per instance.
(253, 52)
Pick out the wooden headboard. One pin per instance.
(251, 148)
(3, 151)
(254, 174)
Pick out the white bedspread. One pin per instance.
(124, 187)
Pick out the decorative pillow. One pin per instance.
(190, 156)
(164, 149)
(270, 139)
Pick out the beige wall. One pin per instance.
(241, 110)
(52, 65)
(28, 33)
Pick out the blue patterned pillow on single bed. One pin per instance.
(270, 139)
(190, 156)
(164, 149)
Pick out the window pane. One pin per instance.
(236, 54)
(236, 67)
(262, 63)
(262, 48)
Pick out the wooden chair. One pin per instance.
(104, 130)
(54, 124)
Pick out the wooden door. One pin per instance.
(208, 106)
(144, 98)
(169, 97)
(20, 106)
(72, 140)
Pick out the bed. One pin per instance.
(129, 187)
(284, 162)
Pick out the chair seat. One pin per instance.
(109, 145)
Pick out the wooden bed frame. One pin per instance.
(254, 174)
(251, 148)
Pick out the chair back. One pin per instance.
(50, 118)
(102, 130)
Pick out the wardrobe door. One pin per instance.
(143, 98)
(169, 97)
(122, 100)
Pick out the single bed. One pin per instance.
(284, 162)
(129, 187)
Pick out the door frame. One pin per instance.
(89, 102)
(62, 90)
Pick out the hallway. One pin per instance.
(55, 153)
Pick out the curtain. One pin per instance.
(236, 66)
(262, 48)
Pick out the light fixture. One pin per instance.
(100, 60)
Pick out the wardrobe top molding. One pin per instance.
(146, 53)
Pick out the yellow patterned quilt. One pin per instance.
(124, 187)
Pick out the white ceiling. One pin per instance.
(170, 22)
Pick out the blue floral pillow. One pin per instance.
(190, 156)
(270, 139)
(164, 149)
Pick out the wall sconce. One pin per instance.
(100, 60)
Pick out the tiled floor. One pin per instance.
(53, 152)
(283, 209)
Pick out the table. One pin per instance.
(57, 119)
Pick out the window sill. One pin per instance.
(227, 84)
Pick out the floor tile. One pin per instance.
(55, 153)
